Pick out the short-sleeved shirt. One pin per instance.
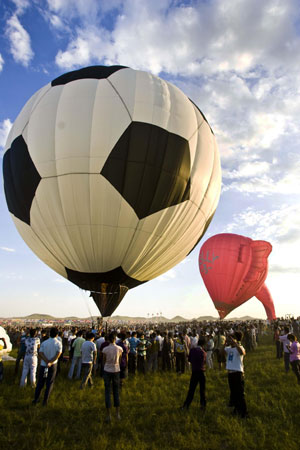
(197, 358)
(77, 344)
(50, 348)
(133, 343)
(112, 353)
(295, 351)
(123, 363)
(87, 352)
(32, 344)
(234, 360)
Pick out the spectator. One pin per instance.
(3, 346)
(142, 347)
(32, 344)
(197, 358)
(234, 364)
(124, 358)
(294, 351)
(22, 350)
(76, 360)
(88, 358)
(286, 354)
(181, 351)
(112, 355)
(132, 356)
(50, 351)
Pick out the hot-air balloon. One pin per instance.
(111, 176)
(234, 269)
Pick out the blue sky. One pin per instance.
(239, 61)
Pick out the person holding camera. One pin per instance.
(234, 364)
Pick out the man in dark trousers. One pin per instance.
(50, 351)
(234, 364)
(197, 358)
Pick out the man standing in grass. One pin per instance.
(235, 354)
(294, 351)
(132, 357)
(197, 358)
(286, 353)
(76, 359)
(50, 351)
(88, 358)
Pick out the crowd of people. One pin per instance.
(127, 350)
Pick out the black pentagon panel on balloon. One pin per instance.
(150, 168)
(91, 281)
(95, 72)
(21, 179)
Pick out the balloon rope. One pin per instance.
(87, 305)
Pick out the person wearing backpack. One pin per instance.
(181, 352)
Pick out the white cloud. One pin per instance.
(5, 127)
(20, 43)
(21, 6)
(274, 224)
(1, 62)
(7, 249)
(170, 275)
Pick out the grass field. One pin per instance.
(75, 419)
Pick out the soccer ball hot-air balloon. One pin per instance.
(112, 176)
(234, 269)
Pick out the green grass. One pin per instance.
(75, 419)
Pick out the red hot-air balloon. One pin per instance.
(234, 269)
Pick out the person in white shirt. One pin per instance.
(88, 358)
(234, 364)
(286, 354)
(50, 351)
(112, 355)
(32, 345)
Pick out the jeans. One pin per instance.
(141, 364)
(49, 380)
(296, 369)
(153, 362)
(132, 363)
(114, 379)
(196, 377)
(237, 395)
(286, 361)
(180, 362)
(87, 374)
(76, 361)
(278, 350)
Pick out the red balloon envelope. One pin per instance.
(234, 269)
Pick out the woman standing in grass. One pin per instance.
(294, 350)
(112, 355)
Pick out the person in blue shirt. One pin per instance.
(132, 356)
